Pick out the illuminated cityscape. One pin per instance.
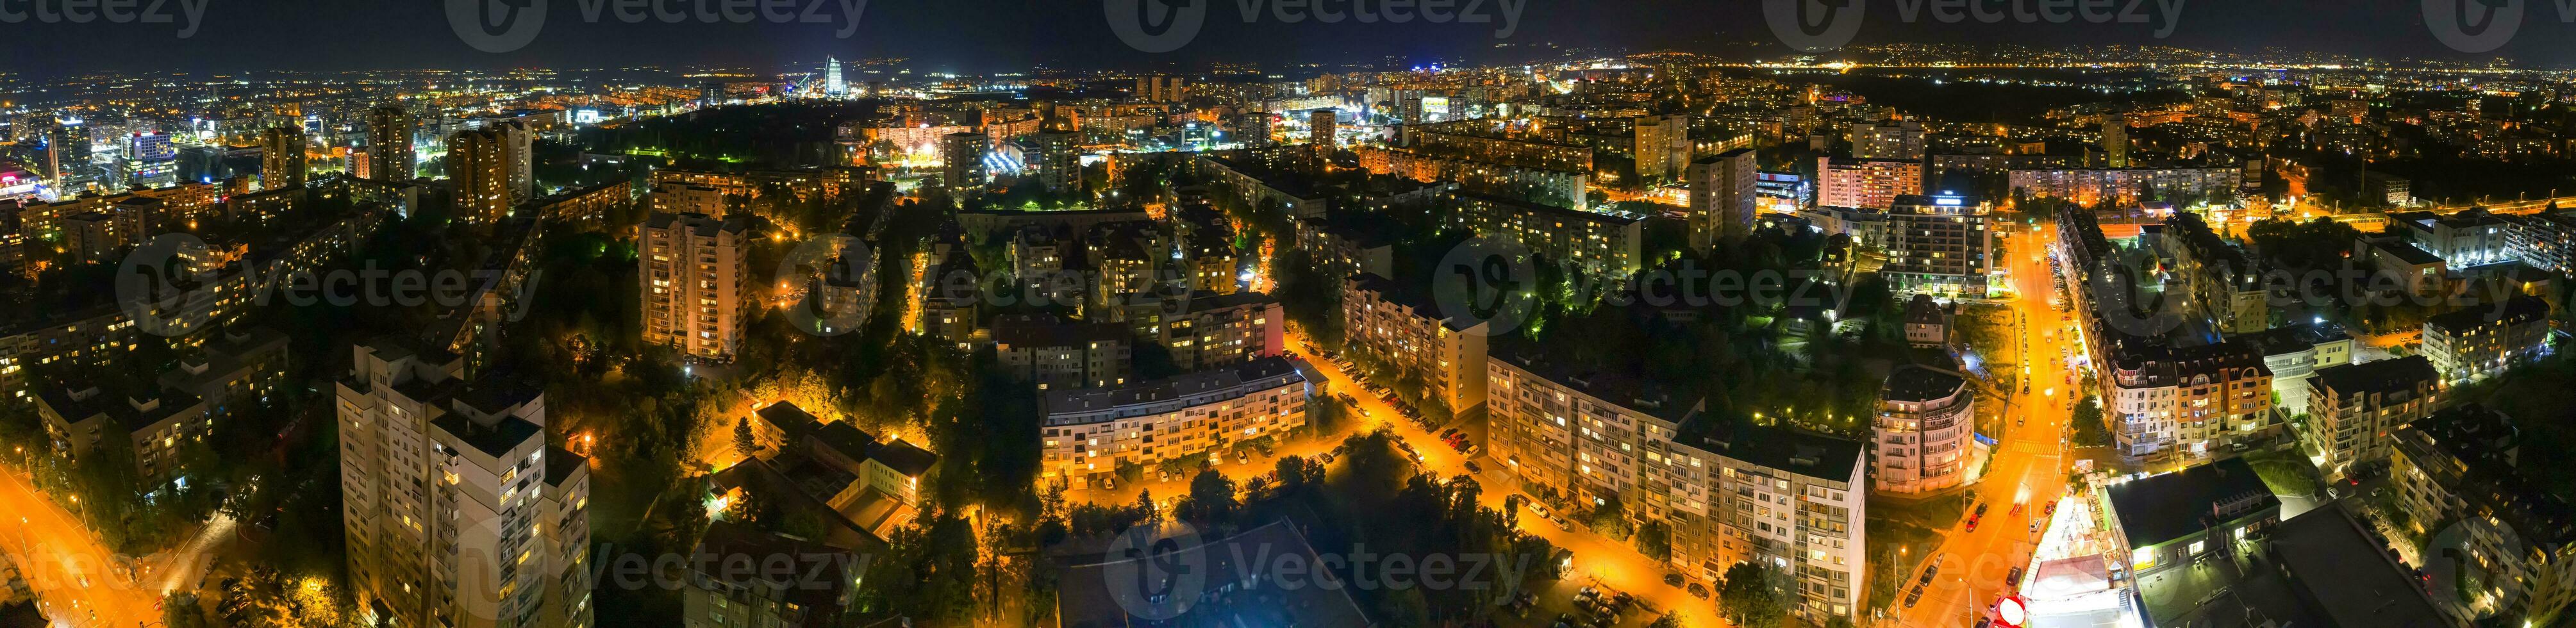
(836, 314)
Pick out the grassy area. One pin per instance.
(2286, 473)
(1902, 534)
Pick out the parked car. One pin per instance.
(1672, 580)
(2013, 578)
(1471, 467)
(1697, 590)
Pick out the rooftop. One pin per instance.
(1918, 383)
(2161, 508)
(2390, 375)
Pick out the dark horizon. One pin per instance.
(991, 36)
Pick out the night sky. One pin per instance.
(1003, 35)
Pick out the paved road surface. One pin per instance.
(2029, 466)
(65, 565)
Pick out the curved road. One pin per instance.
(65, 565)
(1616, 565)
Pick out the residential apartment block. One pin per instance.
(1925, 426)
(1088, 434)
(2485, 340)
(695, 296)
(457, 511)
(2463, 465)
(1729, 490)
(1403, 327)
(2352, 408)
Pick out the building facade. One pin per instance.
(1926, 424)
(457, 511)
(1087, 435)
(695, 296)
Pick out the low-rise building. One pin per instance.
(2463, 239)
(1926, 424)
(1927, 323)
(2482, 341)
(1088, 434)
(2351, 409)
(2294, 354)
(744, 578)
(2169, 520)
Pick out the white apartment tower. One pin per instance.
(457, 513)
(693, 277)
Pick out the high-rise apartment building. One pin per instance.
(488, 166)
(1939, 245)
(1060, 160)
(1865, 183)
(1326, 139)
(1159, 88)
(1722, 197)
(1663, 146)
(693, 284)
(390, 156)
(1900, 140)
(961, 158)
(281, 157)
(1252, 129)
(2115, 142)
(456, 510)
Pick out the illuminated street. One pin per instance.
(65, 565)
(2029, 467)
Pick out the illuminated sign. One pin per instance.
(2010, 613)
